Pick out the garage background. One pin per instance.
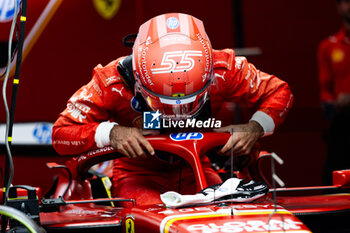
(69, 38)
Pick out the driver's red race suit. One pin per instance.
(333, 62)
(96, 107)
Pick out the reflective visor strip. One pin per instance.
(177, 101)
(181, 98)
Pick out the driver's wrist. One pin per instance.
(265, 121)
(256, 128)
(113, 132)
(103, 132)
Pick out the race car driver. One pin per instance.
(173, 70)
(334, 79)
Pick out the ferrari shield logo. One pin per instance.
(107, 8)
(129, 224)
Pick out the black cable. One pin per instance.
(15, 83)
(18, 65)
(9, 161)
(69, 177)
(258, 168)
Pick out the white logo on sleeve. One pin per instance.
(119, 91)
(110, 79)
(75, 112)
(220, 76)
(85, 96)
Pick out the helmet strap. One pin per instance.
(126, 73)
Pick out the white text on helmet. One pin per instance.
(206, 50)
(186, 61)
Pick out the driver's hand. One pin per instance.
(130, 141)
(243, 138)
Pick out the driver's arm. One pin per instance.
(256, 89)
(246, 85)
(81, 125)
(88, 122)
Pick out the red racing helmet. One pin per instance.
(173, 64)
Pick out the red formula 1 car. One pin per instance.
(73, 206)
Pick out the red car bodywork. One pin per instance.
(261, 215)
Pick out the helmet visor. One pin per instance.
(177, 107)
